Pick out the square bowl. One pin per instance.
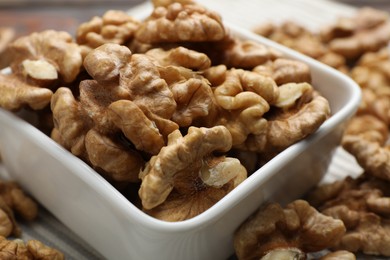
(86, 203)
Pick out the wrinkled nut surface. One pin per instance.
(363, 205)
(295, 231)
(56, 48)
(176, 181)
(32, 250)
(181, 22)
(113, 27)
(365, 138)
(17, 94)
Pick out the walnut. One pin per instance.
(339, 255)
(288, 126)
(113, 27)
(297, 37)
(368, 30)
(55, 52)
(273, 232)
(32, 250)
(180, 56)
(179, 22)
(40, 251)
(365, 138)
(22, 205)
(17, 94)
(363, 205)
(176, 181)
(245, 97)
(285, 71)
(135, 81)
(13, 249)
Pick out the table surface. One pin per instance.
(37, 15)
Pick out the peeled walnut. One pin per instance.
(289, 125)
(244, 97)
(176, 182)
(365, 138)
(277, 233)
(179, 22)
(285, 71)
(363, 205)
(369, 30)
(299, 38)
(17, 94)
(113, 27)
(32, 250)
(180, 56)
(44, 57)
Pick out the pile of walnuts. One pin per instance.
(358, 47)
(174, 106)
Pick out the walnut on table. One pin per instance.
(273, 232)
(297, 37)
(32, 250)
(363, 205)
(186, 178)
(367, 30)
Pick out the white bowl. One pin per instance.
(104, 218)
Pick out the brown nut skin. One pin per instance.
(113, 160)
(365, 139)
(113, 27)
(299, 226)
(175, 181)
(179, 23)
(286, 127)
(363, 205)
(57, 48)
(17, 94)
(40, 251)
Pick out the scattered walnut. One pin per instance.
(51, 50)
(181, 22)
(363, 205)
(32, 250)
(365, 138)
(176, 182)
(291, 232)
(295, 36)
(369, 30)
(40, 251)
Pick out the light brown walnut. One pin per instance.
(365, 139)
(290, 232)
(288, 126)
(181, 23)
(54, 52)
(339, 255)
(113, 27)
(176, 182)
(363, 204)
(17, 94)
